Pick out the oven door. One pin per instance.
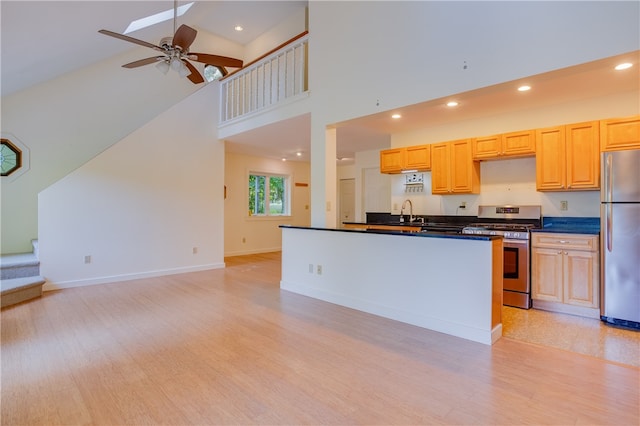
(516, 285)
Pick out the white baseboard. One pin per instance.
(128, 277)
(257, 251)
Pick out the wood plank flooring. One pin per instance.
(229, 347)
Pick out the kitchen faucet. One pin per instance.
(410, 210)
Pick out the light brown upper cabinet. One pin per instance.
(397, 160)
(568, 157)
(620, 133)
(392, 160)
(514, 144)
(418, 158)
(453, 170)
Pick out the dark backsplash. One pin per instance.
(373, 217)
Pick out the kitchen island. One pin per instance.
(450, 283)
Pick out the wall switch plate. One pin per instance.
(319, 269)
(87, 259)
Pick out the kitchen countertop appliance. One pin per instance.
(620, 238)
(514, 224)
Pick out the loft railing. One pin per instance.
(274, 77)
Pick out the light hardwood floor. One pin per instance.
(228, 347)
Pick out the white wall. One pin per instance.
(246, 234)
(71, 119)
(367, 56)
(140, 207)
(290, 27)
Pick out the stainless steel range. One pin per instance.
(514, 224)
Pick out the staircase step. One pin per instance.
(19, 265)
(16, 290)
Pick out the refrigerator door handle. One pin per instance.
(609, 225)
(608, 198)
(608, 178)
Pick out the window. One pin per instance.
(10, 157)
(268, 195)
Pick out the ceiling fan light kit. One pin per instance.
(176, 53)
(163, 66)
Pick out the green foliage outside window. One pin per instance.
(268, 195)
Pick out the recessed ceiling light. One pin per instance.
(524, 88)
(238, 28)
(623, 66)
(156, 19)
(284, 159)
(299, 154)
(452, 104)
(396, 116)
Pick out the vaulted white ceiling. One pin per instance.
(41, 40)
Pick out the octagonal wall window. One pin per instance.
(14, 157)
(10, 157)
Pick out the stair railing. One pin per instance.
(279, 75)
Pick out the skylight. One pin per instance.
(156, 19)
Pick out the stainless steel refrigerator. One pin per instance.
(620, 238)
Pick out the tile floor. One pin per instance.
(572, 333)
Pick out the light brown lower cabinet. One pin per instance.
(565, 273)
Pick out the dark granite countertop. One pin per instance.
(427, 234)
(570, 225)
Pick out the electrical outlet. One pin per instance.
(87, 259)
(564, 205)
(463, 204)
(319, 270)
(194, 250)
(244, 240)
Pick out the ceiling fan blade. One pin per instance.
(184, 37)
(218, 61)
(130, 39)
(195, 76)
(142, 62)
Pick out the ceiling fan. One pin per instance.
(176, 54)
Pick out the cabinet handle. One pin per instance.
(565, 252)
(564, 242)
(559, 251)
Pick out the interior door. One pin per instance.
(347, 201)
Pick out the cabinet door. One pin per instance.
(583, 155)
(581, 278)
(620, 133)
(465, 173)
(440, 164)
(550, 159)
(392, 160)
(418, 157)
(546, 274)
(487, 147)
(519, 144)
